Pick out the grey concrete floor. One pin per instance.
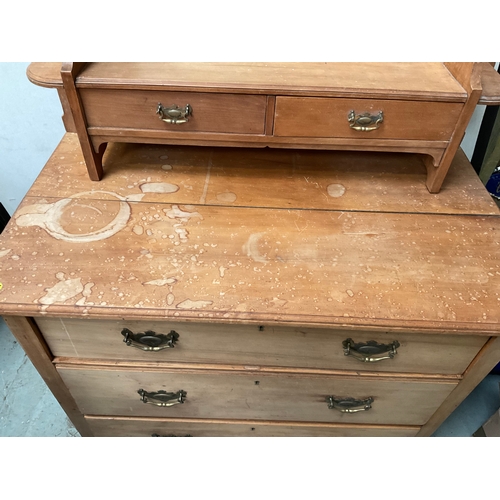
(28, 408)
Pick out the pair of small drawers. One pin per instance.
(264, 380)
(306, 117)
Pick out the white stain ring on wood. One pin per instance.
(159, 187)
(48, 217)
(251, 248)
(336, 190)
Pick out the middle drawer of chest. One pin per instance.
(259, 346)
(231, 394)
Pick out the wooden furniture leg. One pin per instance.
(469, 76)
(93, 159)
(31, 340)
(479, 368)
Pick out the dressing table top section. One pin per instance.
(386, 80)
(416, 81)
(332, 79)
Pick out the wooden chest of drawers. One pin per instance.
(419, 108)
(252, 292)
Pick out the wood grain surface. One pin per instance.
(292, 397)
(219, 251)
(260, 347)
(418, 80)
(411, 80)
(403, 120)
(227, 113)
(170, 427)
(490, 83)
(340, 181)
(48, 74)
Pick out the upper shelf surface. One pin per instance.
(430, 81)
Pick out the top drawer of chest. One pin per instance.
(208, 112)
(253, 345)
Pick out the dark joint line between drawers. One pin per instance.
(93, 364)
(252, 422)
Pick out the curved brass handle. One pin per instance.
(149, 340)
(371, 351)
(365, 122)
(349, 405)
(174, 114)
(162, 398)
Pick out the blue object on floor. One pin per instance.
(493, 184)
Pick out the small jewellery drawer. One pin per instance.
(174, 111)
(199, 393)
(254, 345)
(365, 118)
(165, 427)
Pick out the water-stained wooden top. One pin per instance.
(256, 235)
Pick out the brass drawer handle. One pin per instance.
(365, 122)
(349, 405)
(174, 114)
(149, 340)
(162, 398)
(371, 351)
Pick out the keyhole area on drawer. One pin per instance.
(257, 382)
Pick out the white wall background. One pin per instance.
(31, 127)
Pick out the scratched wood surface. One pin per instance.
(194, 233)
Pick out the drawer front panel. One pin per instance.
(237, 395)
(120, 427)
(322, 117)
(261, 346)
(222, 113)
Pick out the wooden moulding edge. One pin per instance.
(333, 425)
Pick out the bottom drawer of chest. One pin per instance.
(210, 394)
(146, 427)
